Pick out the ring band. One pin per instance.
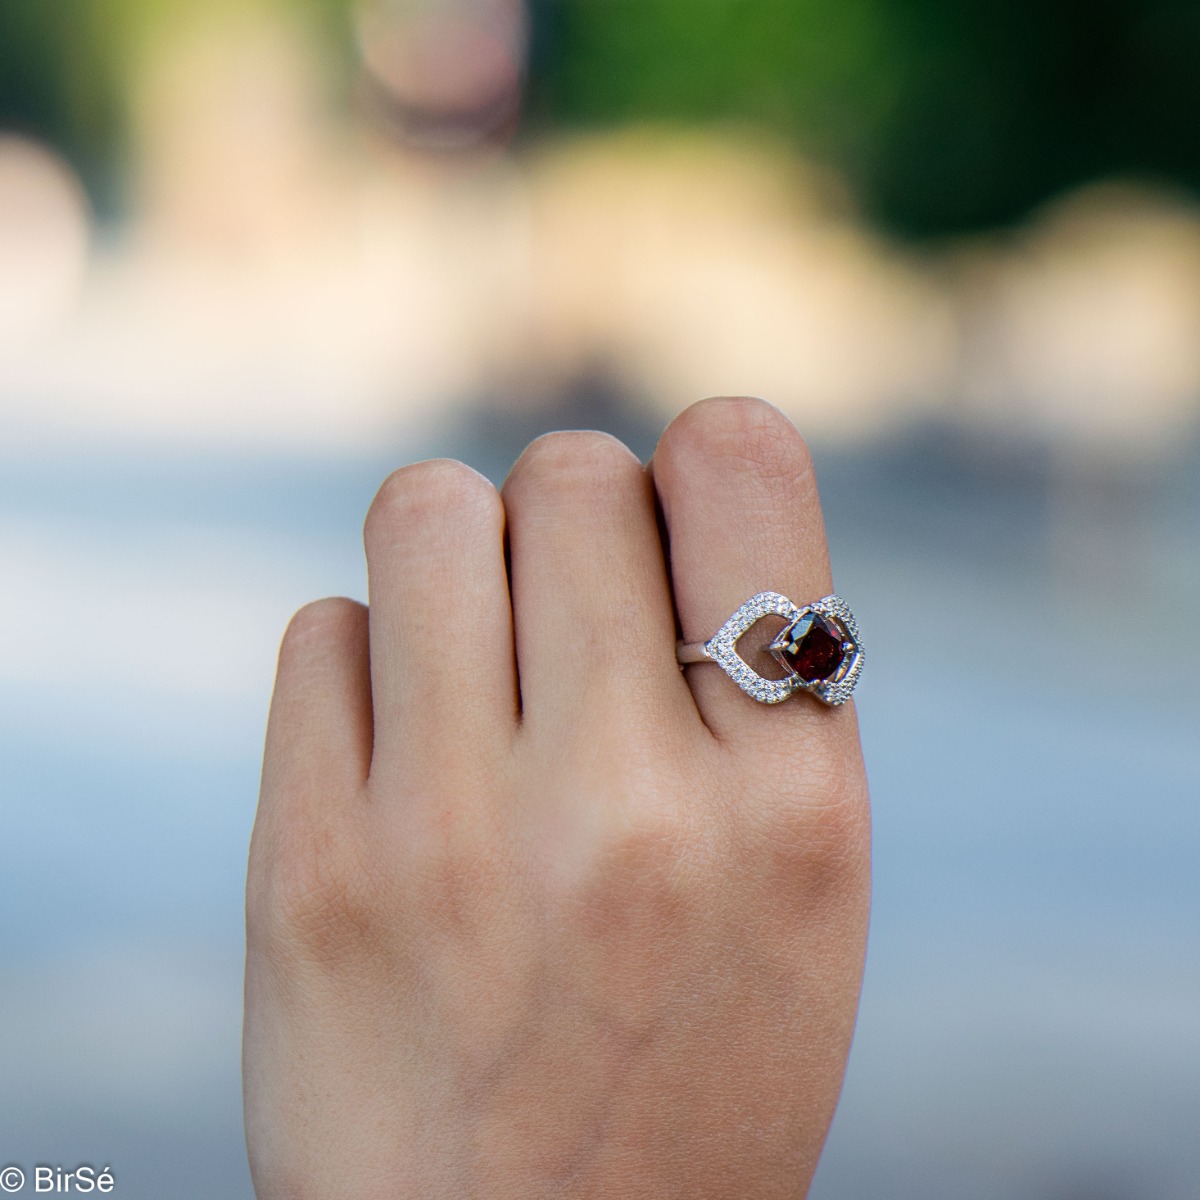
(820, 648)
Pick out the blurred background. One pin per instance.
(254, 255)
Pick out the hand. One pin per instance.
(531, 912)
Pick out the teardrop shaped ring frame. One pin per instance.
(721, 649)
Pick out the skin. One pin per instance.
(531, 912)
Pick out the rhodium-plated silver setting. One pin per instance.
(721, 648)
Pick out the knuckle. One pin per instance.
(458, 890)
(813, 838)
(309, 897)
(744, 431)
(644, 882)
(435, 489)
(574, 459)
(637, 838)
(452, 856)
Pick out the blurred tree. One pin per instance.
(822, 67)
(947, 116)
(1007, 103)
(57, 82)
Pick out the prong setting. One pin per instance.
(833, 612)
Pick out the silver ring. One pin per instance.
(820, 648)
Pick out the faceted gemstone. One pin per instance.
(812, 647)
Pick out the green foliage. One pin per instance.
(804, 63)
(57, 81)
(945, 115)
(1008, 103)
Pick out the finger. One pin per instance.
(739, 499)
(320, 730)
(591, 600)
(443, 679)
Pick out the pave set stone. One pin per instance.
(820, 646)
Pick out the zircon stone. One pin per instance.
(812, 647)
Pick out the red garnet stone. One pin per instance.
(812, 647)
